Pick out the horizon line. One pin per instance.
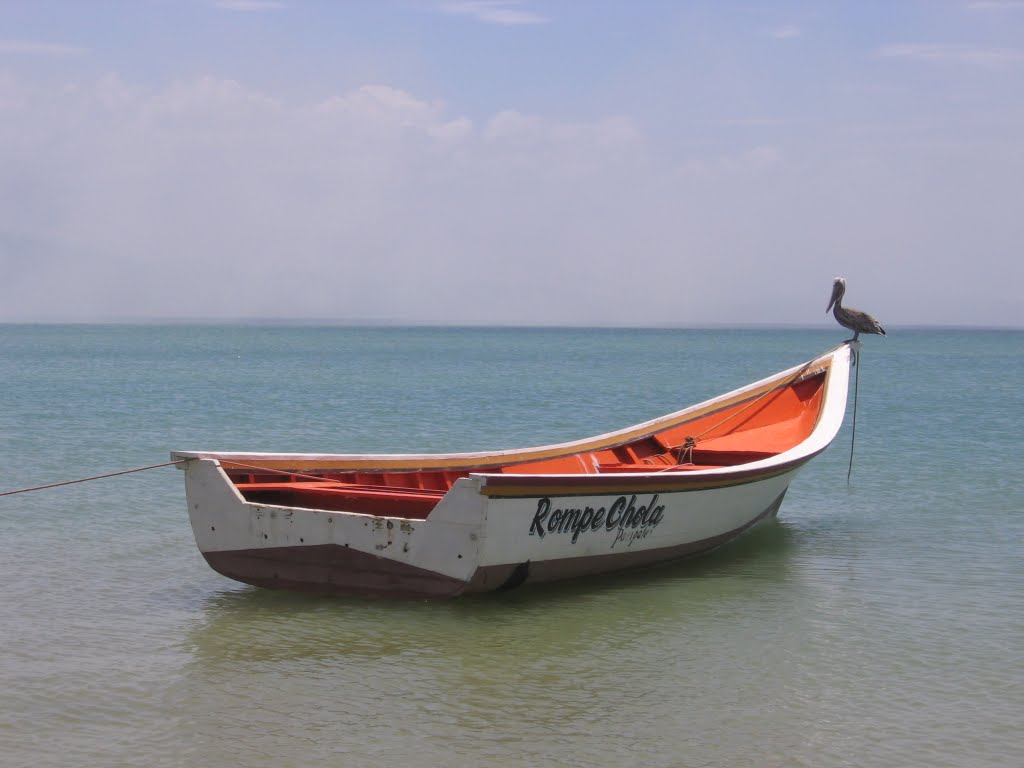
(327, 322)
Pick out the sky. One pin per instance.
(552, 162)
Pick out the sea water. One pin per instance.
(875, 623)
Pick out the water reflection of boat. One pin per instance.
(244, 624)
(442, 525)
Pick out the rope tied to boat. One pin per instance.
(855, 351)
(95, 477)
(686, 450)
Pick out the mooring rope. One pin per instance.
(856, 388)
(94, 477)
(685, 449)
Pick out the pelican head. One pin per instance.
(838, 289)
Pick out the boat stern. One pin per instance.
(333, 552)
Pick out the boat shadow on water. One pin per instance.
(254, 624)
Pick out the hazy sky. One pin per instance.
(492, 161)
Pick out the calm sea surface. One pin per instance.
(879, 623)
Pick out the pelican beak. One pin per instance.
(835, 295)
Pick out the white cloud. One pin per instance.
(503, 12)
(515, 127)
(453, 131)
(38, 48)
(996, 5)
(757, 160)
(951, 52)
(377, 108)
(383, 103)
(205, 95)
(249, 6)
(510, 124)
(754, 122)
(209, 198)
(783, 32)
(12, 94)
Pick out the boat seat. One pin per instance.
(342, 497)
(614, 466)
(343, 489)
(761, 441)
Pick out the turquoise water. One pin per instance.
(876, 623)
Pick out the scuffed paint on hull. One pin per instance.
(333, 569)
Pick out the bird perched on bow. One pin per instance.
(857, 321)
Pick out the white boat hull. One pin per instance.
(472, 542)
(495, 529)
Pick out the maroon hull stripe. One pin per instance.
(337, 570)
(331, 569)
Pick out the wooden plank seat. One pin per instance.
(613, 467)
(749, 444)
(344, 497)
(769, 440)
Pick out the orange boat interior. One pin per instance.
(751, 429)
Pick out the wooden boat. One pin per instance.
(443, 525)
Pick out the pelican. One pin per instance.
(857, 321)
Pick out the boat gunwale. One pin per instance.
(671, 478)
(494, 459)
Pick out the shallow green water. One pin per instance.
(880, 623)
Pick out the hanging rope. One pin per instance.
(856, 388)
(94, 477)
